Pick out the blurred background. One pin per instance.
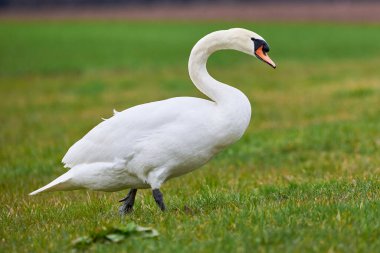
(304, 177)
(323, 10)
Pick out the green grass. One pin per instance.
(304, 178)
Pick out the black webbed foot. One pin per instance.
(128, 202)
(159, 198)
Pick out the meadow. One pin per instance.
(304, 178)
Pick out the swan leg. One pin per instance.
(128, 202)
(159, 198)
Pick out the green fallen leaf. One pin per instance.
(147, 232)
(113, 235)
(82, 242)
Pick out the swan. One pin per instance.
(146, 145)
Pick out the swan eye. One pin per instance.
(260, 43)
(265, 48)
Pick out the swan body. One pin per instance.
(144, 146)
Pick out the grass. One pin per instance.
(304, 178)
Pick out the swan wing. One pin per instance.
(116, 138)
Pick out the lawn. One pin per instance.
(304, 178)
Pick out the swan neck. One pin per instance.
(215, 90)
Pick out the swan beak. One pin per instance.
(264, 57)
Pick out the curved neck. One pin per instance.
(219, 92)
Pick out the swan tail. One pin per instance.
(61, 183)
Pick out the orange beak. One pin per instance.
(264, 57)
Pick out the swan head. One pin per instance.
(250, 43)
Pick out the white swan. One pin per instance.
(144, 146)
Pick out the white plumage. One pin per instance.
(145, 145)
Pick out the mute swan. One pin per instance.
(144, 146)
